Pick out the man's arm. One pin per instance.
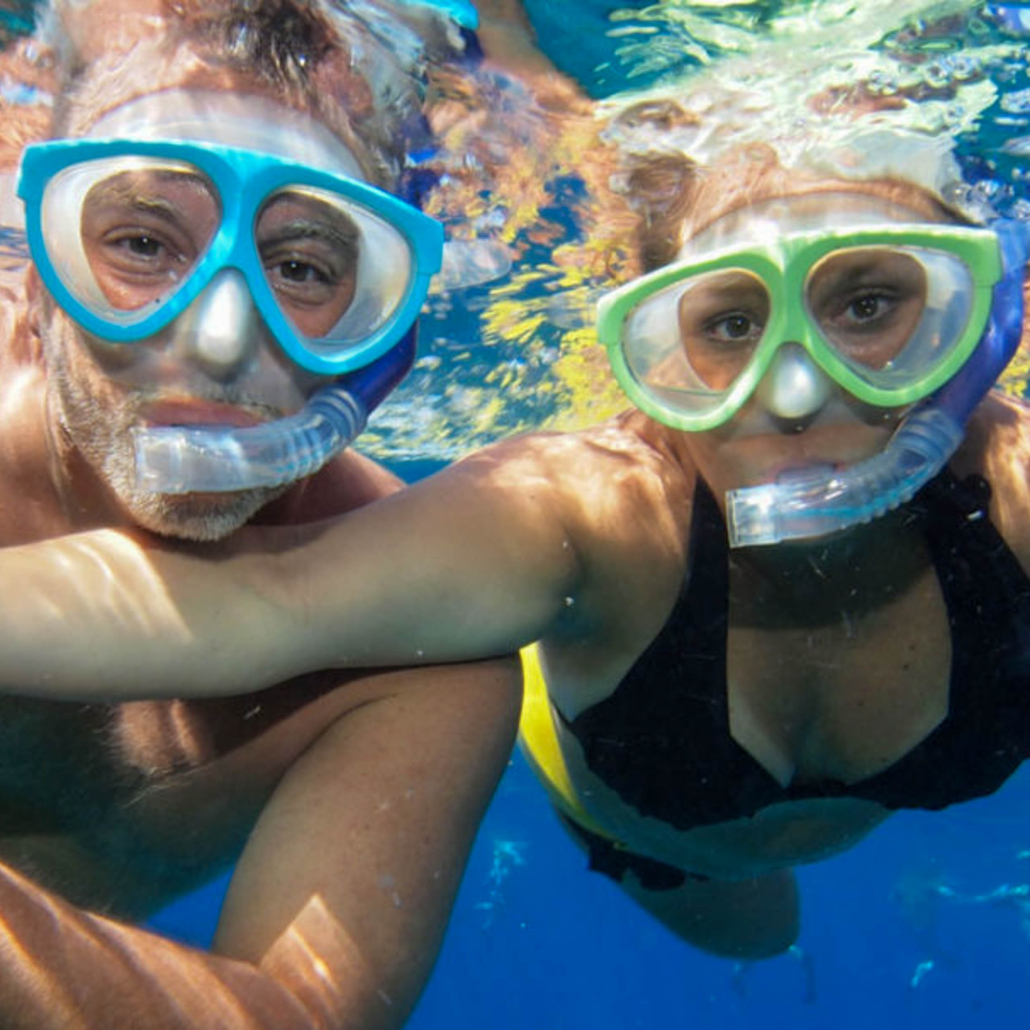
(475, 561)
(338, 905)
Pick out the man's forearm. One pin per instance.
(65, 969)
(91, 617)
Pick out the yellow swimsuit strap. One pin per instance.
(538, 738)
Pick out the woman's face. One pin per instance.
(798, 419)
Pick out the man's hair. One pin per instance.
(358, 67)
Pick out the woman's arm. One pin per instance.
(473, 562)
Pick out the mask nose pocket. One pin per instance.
(221, 328)
(794, 387)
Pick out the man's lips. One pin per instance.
(198, 413)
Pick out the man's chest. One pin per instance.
(123, 808)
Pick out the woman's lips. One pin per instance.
(804, 473)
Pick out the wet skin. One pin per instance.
(93, 798)
(327, 788)
(839, 650)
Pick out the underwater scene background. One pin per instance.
(927, 923)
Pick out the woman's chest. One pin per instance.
(742, 741)
(843, 696)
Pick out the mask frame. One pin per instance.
(243, 179)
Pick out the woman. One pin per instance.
(704, 717)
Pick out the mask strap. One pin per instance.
(1004, 327)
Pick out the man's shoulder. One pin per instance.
(24, 456)
(347, 482)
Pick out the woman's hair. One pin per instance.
(678, 176)
(359, 68)
(654, 175)
(674, 197)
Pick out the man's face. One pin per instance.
(216, 363)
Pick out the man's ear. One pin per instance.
(36, 301)
(34, 294)
(33, 285)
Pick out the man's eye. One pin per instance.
(144, 246)
(301, 272)
(139, 250)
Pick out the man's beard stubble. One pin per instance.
(97, 416)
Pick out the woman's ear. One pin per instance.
(661, 190)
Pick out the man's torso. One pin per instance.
(122, 807)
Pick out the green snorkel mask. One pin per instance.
(896, 314)
(888, 312)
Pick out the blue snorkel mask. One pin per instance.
(812, 506)
(130, 235)
(459, 11)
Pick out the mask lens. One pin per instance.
(892, 313)
(722, 317)
(143, 226)
(338, 272)
(689, 343)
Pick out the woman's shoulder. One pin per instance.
(616, 463)
(997, 439)
(997, 447)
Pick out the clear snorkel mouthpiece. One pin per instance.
(812, 506)
(180, 459)
(213, 459)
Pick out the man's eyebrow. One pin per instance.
(141, 195)
(338, 230)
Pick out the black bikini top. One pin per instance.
(662, 739)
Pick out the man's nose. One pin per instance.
(222, 329)
(794, 387)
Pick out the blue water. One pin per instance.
(536, 941)
(924, 924)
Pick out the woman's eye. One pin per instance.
(733, 327)
(867, 307)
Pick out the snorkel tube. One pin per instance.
(813, 505)
(212, 459)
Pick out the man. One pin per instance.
(350, 800)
